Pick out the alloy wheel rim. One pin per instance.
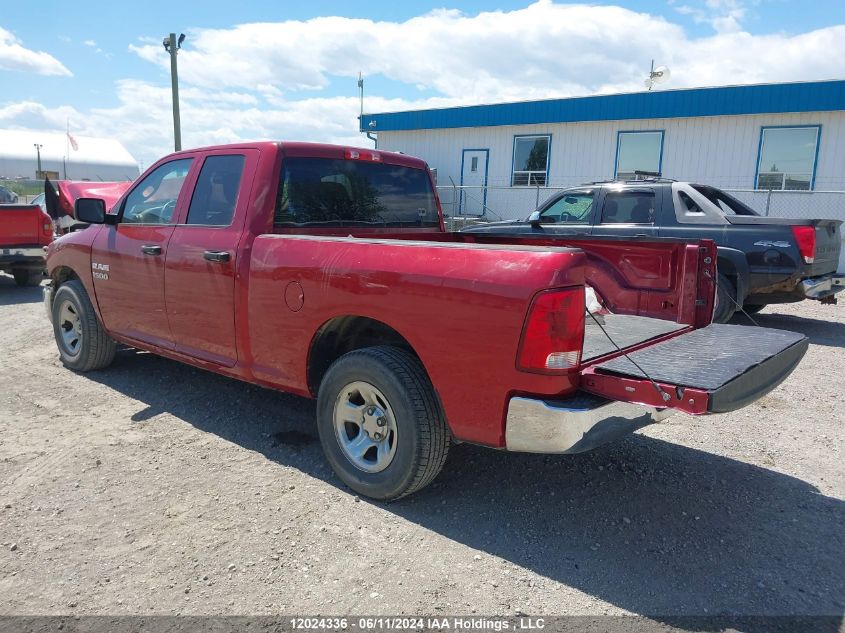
(365, 427)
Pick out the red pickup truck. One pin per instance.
(24, 232)
(325, 271)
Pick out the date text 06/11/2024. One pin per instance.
(383, 623)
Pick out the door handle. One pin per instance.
(216, 256)
(151, 249)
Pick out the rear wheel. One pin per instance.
(753, 309)
(26, 277)
(83, 343)
(381, 425)
(725, 300)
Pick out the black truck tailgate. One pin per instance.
(714, 369)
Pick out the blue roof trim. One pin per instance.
(669, 104)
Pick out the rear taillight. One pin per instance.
(554, 332)
(805, 236)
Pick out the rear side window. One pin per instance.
(628, 207)
(334, 192)
(216, 191)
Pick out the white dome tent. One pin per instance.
(68, 157)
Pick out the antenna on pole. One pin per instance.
(657, 75)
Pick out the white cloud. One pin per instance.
(725, 16)
(269, 80)
(90, 43)
(14, 56)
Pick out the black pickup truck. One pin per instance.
(761, 260)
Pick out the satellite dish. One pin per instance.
(661, 74)
(657, 75)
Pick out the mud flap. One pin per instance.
(715, 369)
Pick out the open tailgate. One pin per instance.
(714, 369)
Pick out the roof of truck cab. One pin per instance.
(316, 150)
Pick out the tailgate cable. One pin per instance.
(663, 395)
(739, 307)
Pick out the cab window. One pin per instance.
(216, 191)
(571, 208)
(153, 200)
(628, 207)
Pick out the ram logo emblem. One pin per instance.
(101, 271)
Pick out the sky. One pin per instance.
(288, 70)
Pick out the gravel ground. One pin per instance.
(155, 488)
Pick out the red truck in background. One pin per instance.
(326, 272)
(59, 196)
(24, 232)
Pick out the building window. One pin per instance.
(788, 157)
(530, 161)
(638, 151)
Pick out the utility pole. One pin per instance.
(38, 147)
(361, 118)
(172, 45)
(361, 91)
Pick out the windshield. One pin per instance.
(726, 203)
(333, 192)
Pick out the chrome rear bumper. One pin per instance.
(574, 425)
(25, 252)
(821, 287)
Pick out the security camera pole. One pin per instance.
(172, 46)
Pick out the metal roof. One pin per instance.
(664, 104)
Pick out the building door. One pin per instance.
(473, 197)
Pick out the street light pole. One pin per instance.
(172, 45)
(38, 147)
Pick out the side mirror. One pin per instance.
(92, 211)
(534, 219)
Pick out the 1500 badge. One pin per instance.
(101, 271)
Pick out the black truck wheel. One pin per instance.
(725, 300)
(380, 422)
(83, 343)
(753, 309)
(26, 277)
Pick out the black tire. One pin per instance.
(25, 277)
(754, 309)
(422, 435)
(725, 300)
(94, 348)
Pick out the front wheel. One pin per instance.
(380, 422)
(83, 343)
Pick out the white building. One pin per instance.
(755, 138)
(63, 156)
